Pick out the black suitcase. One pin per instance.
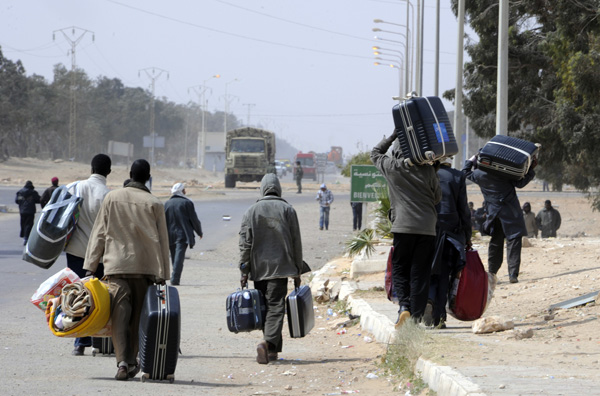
(424, 130)
(102, 345)
(246, 310)
(300, 313)
(507, 157)
(160, 332)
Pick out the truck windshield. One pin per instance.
(247, 146)
(307, 161)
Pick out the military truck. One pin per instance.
(249, 155)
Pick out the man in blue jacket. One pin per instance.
(182, 221)
(504, 215)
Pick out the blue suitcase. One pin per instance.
(246, 310)
(160, 333)
(300, 313)
(507, 157)
(424, 130)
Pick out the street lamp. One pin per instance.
(226, 98)
(408, 37)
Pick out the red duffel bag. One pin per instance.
(468, 294)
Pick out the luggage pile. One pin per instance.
(52, 287)
(53, 229)
(424, 130)
(507, 157)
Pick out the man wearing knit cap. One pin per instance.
(182, 221)
(48, 193)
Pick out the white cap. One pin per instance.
(177, 188)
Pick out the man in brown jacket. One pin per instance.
(130, 236)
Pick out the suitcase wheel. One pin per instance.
(407, 161)
(171, 378)
(430, 155)
(94, 352)
(144, 377)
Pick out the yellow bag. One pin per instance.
(94, 321)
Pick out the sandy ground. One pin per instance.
(565, 342)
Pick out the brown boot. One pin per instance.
(262, 353)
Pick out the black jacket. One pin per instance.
(453, 210)
(182, 220)
(26, 198)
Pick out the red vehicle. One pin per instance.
(309, 164)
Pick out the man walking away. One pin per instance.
(298, 175)
(504, 216)
(270, 252)
(26, 198)
(325, 198)
(548, 220)
(92, 190)
(414, 191)
(182, 221)
(130, 236)
(356, 215)
(530, 221)
(48, 192)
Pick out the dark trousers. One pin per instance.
(274, 291)
(127, 304)
(26, 224)
(411, 269)
(76, 265)
(440, 283)
(299, 184)
(177, 257)
(496, 251)
(357, 216)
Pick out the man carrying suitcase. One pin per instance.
(504, 218)
(414, 191)
(270, 252)
(130, 235)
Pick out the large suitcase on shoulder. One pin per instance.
(424, 130)
(102, 345)
(507, 157)
(300, 313)
(246, 310)
(53, 228)
(160, 333)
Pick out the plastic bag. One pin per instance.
(52, 287)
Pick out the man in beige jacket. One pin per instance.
(130, 237)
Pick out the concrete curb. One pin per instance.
(442, 379)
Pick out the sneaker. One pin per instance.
(402, 316)
(321, 228)
(514, 280)
(122, 374)
(78, 351)
(262, 353)
(428, 315)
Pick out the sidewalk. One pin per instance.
(481, 364)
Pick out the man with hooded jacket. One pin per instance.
(270, 252)
(26, 198)
(504, 218)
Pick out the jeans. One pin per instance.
(177, 256)
(274, 291)
(496, 251)
(76, 265)
(411, 268)
(324, 219)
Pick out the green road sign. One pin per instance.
(365, 180)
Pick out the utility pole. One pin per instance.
(436, 78)
(200, 90)
(250, 105)
(458, 120)
(502, 78)
(153, 73)
(74, 40)
(227, 103)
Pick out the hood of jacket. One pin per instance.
(270, 185)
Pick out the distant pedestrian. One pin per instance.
(453, 236)
(182, 221)
(92, 190)
(130, 236)
(325, 198)
(414, 191)
(48, 192)
(298, 175)
(26, 198)
(530, 221)
(504, 219)
(357, 209)
(545, 186)
(270, 253)
(548, 220)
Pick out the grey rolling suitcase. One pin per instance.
(300, 313)
(424, 130)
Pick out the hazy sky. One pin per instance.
(304, 68)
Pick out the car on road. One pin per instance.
(280, 168)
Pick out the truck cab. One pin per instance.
(309, 164)
(249, 155)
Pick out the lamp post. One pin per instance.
(201, 144)
(226, 98)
